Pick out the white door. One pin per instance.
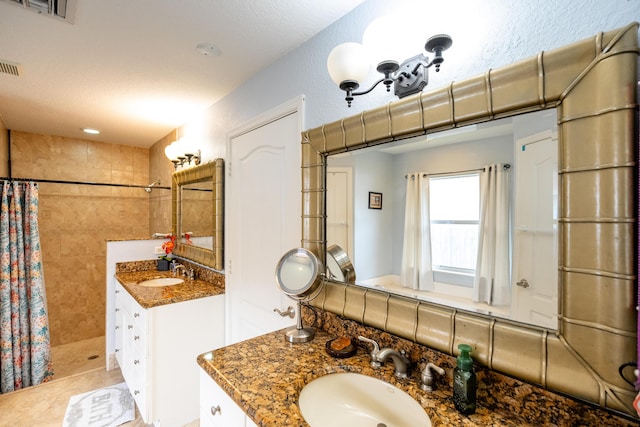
(339, 205)
(535, 225)
(262, 218)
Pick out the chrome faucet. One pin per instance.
(179, 267)
(378, 357)
(189, 274)
(428, 379)
(399, 360)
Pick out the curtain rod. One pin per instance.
(55, 181)
(424, 175)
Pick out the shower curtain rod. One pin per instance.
(55, 181)
(424, 175)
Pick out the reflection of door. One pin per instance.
(535, 225)
(263, 221)
(339, 205)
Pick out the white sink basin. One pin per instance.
(355, 400)
(161, 281)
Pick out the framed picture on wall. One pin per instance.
(375, 200)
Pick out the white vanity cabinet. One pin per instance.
(156, 350)
(217, 409)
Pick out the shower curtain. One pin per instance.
(25, 355)
(416, 271)
(492, 282)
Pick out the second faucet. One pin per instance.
(379, 356)
(186, 273)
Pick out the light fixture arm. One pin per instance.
(350, 85)
(387, 83)
(195, 156)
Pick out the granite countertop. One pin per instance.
(149, 297)
(264, 376)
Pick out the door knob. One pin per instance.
(522, 283)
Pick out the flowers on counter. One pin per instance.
(168, 246)
(165, 260)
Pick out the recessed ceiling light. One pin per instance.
(208, 49)
(91, 131)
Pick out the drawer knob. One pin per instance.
(136, 362)
(137, 337)
(129, 326)
(117, 310)
(136, 314)
(136, 392)
(216, 410)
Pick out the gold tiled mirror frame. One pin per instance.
(215, 171)
(593, 85)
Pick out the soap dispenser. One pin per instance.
(464, 382)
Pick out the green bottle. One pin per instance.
(464, 382)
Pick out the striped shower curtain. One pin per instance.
(25, 355)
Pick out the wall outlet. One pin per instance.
(158, 250)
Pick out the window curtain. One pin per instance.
(492, 282)
(25, 355)
(416, 271)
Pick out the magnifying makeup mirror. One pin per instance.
(299, 274)
(339, 266)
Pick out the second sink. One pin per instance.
(161, 281)
(350, 399)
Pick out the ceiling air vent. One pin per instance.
(9, 68)
(56, 8)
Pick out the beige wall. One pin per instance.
(76, 220)
(160, 200)
(196, 214)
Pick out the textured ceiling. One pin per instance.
(130, 68)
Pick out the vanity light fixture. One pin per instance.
(349, 63)
(181, 152)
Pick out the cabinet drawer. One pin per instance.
(124, 301)
(217, 409)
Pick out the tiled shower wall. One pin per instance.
(160, 201)
(76, 220)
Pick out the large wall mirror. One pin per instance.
(590, 88)
(197, 213)
(440, 174)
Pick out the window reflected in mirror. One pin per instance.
(466, 211)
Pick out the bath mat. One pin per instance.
(105, 407)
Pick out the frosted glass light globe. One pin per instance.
(188, 145)
(395, 38)
(348, 61)
(171, 151)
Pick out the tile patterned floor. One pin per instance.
(75, 372)
(78, 357)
